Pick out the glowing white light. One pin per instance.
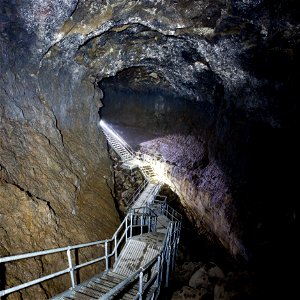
(159, 170)
(158, 166)
(115, 135)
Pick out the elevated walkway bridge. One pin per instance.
(137, 259)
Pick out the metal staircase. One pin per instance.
(136, 260)
(148, 172)
(146, 197)
(129, 158)
(117, 143)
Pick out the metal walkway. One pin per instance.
(138, 251)
(125, 152)
(147, 196)
(129, 158)
(136, 260)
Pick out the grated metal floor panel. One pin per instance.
(162, 224)
(135, 255)
(146, 196)
(138, 251)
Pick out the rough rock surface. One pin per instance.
(55, 175)
(201, 185)
(238, 57)
(204, 281)
(126, 182)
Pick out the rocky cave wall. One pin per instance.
(239, 57)
(55, 174)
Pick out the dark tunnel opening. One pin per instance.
(141, 105)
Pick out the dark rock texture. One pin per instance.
(237, 61)
(202, 187)
(55, 176)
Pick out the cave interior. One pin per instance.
(210, 85)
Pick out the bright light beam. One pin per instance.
(116, 136)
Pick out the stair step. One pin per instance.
(80, 296)
(134, 255)
(90, 292)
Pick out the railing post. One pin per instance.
(149, 224)
(106, 256)
(168, 266)
(116, 250)
(141, 285)
(126, 229)
(158, 271)
(174, 246)
(169, 245)
(71, 267)
(131, 217)
(162, 266)
(142, 224)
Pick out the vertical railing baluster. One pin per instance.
(169, 253)
(142, 224)
(158, 270)
(173, 248)
(149, 224)
(162, 267)
(116, 249)
(131, 217)
(106, 256)
(141, 285)
(71, 270)
(126, 228)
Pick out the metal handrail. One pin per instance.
(112, 133)
(127, 232)
(168, 210)
(166, 254)
(122, 285)
(137, 193)
(137, 275)
(151, 214)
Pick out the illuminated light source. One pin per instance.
(157, 166)
(105, 127)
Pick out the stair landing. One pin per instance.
(138, 251)
(146, 196)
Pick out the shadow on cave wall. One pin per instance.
(261, 161)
